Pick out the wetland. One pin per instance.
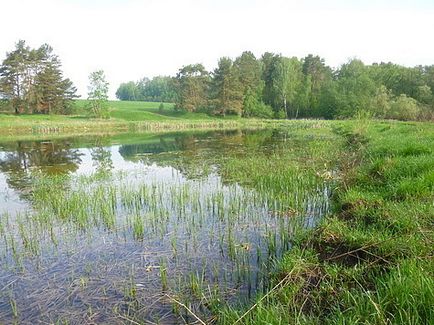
(154, 228)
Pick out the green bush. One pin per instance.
(404, 108)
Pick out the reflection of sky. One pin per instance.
(88, 166)
(138, 172)
(152, 172)
(9, 199)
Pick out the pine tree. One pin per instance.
(226, 89)
(191, 84)
(13, 76)
(32, 81)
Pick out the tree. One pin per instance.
(268, 63)
(424, 94)
(328, 102)
(253, 106)
(381, 102)
(226, 89)
(355, 88)
(316, 75)
(399, 79)
(127, 91)
(191, 84)
(286, 78)
(303, 97)
(287, 87)
(249, 71)
(404, 108)
(98, 93)
(14, 77)
(158, 89)
(32, 81)
(54, 94)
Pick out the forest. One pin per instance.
(275, 86)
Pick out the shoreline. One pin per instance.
(33, 129)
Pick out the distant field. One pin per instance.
(120, 110)
(144, 111)
(125, 116)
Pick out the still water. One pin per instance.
(125, 229)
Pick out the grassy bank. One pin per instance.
(370, 261)
(124, 117)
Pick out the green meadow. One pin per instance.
(261, 189)
(125, 116)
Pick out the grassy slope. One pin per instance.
(125, 116)
(144, 111)
(370, 262)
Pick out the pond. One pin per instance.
(135, 228)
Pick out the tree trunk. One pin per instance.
(284, 105)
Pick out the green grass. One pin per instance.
(370, 261)
(144, 111)
(119, 110)
(125, 116)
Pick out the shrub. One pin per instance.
(404, 108)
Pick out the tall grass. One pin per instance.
(370, 261)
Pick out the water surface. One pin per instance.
(113, 230)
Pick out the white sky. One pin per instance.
(131, 39)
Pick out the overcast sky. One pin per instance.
(130, 39)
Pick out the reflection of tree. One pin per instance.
(155, 146)
(102, 159)
(20, 158)
(195, 155)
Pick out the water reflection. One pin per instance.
(194, 155)
(169, 208)
(18, 160)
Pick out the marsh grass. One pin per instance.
(127, 242)
(370, 261)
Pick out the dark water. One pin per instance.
(140, 223)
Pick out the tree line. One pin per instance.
(272, 86)
(157, 89)
(275, 86)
